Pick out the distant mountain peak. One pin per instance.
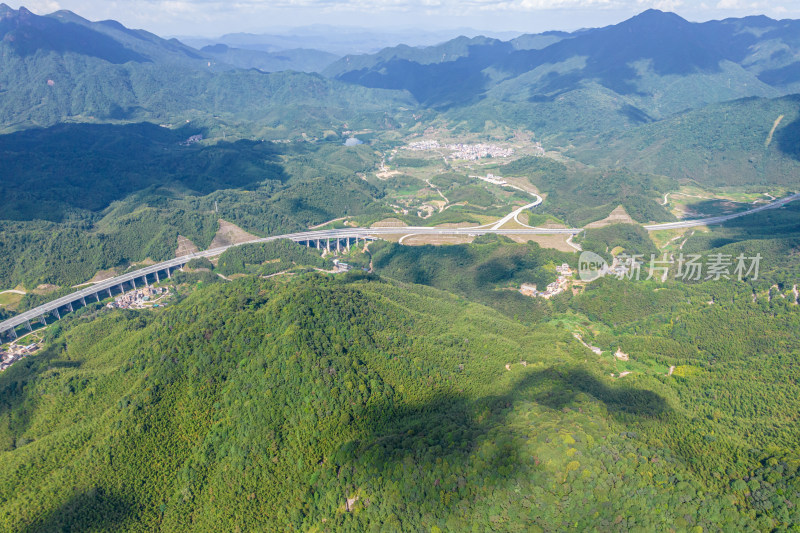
(67, 15)
(656, 17)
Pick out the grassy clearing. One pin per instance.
(10, 299)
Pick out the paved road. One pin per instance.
(306, 236)
(723, 218)
(514, 214)
(333, 234)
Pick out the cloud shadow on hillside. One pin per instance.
(788, 139)
(409, 442)
(95, 509)
(54, 171)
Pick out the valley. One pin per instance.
(251, 285)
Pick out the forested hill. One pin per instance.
(343, 404)
(748, 141)
(61, 67)
(63, 31)
(705, 63)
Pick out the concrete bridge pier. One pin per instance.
(169, 273)
(158, 279)
(83, 301)
(43, 320)
(58, 315)
(338, 245)
(133, 281)
(69, 306)
(317, 244)
(329, 245)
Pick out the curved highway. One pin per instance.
(322, 239)
(319, 238)
(722, 218)
(515, 214)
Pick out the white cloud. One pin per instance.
(663, 5)
(215, 16)
(42, 6)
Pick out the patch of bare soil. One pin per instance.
(386, 174)
(389, 223)
(229, 234)
(350, 503)
(551, 225)
(103, 275)
(45, 289)
(617, 216)
(556, 241)
(185, 247)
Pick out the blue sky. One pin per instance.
(215, 17)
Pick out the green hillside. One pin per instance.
(270, 405)
(90, 197)
(429, 388)
(726, 144)
(64, 68)
(300, 59)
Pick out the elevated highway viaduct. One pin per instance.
(332, 239)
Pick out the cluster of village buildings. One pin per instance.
(15, 353)
(422, 146)
(473, 152)
(469, 152)
(565, 274)
(140, 298)
(339, 266)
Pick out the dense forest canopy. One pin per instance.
(419, 385)
(349, 404)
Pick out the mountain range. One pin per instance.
(62, 67)
(417, 383)
(648, 68)
(593, 90)
(754, 56)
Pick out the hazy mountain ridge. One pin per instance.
(63, 32)
(62, 67)
(340, 40)
(755, 52)
(299, 59)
